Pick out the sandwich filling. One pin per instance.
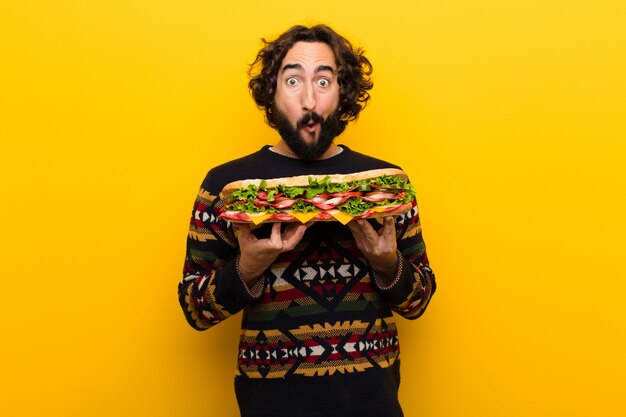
(320, 199)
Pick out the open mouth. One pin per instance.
(310, 127)
(310, 123)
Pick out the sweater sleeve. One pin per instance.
(211, 289)
(414, 284)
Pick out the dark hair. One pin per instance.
(353, 71)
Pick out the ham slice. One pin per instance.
(285, 203)
(234, 215)
(260, 203)
(347, 194)
(324, 216)
(283, 217)
(331, 203)
(263, 196)
(377, 196)
(282, 204)
(318, 199)
(385, 188)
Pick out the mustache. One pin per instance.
(307, 117)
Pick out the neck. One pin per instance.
(282, 148)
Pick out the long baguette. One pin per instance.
(330, 213)
(303, 180)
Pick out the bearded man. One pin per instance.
(318, 333)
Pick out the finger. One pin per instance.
(356, 230)
(295, 229)
(367, 229)
(294, 237)
(290, 229)
(389, 228)
(275, 238)
(244, 230)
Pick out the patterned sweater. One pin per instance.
(318, 336)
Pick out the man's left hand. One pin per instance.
(379, 247)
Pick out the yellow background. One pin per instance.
(509, 117)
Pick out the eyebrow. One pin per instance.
(300, 68)
(324, 68)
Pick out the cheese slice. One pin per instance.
(304, 217)
(383, 209)
(341, 216)
(378, 209)
(258, 218)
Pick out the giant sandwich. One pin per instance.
(306, 198)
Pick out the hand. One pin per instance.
(258, 254)
(378, 247)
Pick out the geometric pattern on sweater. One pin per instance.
(320, 311)
(324, 272)
(202, 293)
(204, 225)
(309, 287)
(281, 298)
(319, 349)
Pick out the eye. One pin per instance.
(291, 81)
(323, 82)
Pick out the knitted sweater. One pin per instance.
(318, 336)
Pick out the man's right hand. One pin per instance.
(258, 254)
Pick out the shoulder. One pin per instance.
(234, 170)
(362, 162)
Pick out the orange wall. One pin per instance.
(508, 117)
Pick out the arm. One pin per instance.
(224, 268)
(414, 283)
(212, 289)
(397, 256)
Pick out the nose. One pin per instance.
(308, 99)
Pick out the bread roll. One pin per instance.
(303, 180)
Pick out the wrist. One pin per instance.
(386, 266)
(387, 276)
(254, 287)
(249, 275)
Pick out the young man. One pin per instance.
(318, 335)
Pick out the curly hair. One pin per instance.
(353, 71)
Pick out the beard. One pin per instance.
(330, 128)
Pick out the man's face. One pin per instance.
(307, 95)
